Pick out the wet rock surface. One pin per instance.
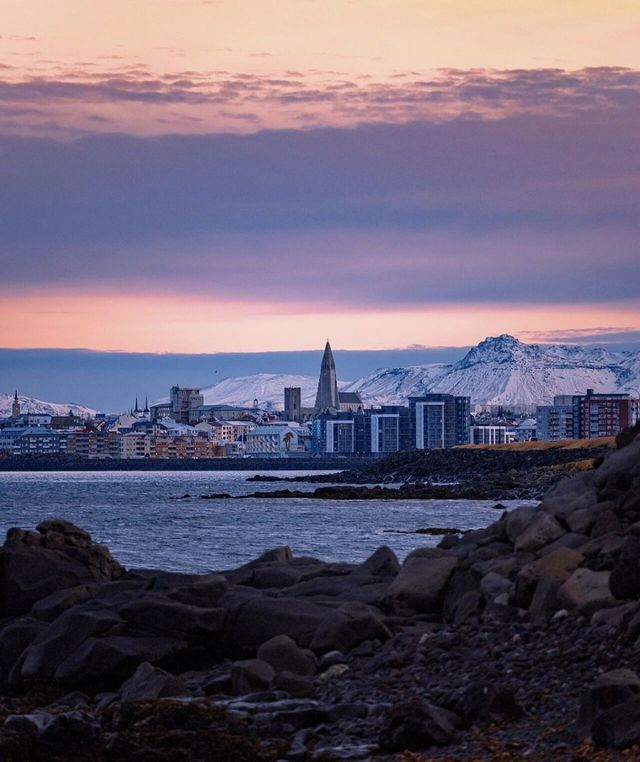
(517, 641)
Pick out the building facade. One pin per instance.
(491, 435)
(439, 421)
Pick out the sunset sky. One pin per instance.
(244, 175)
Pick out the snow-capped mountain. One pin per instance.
(504, 371)
(267, 388)
(32, 405)
(500, 371)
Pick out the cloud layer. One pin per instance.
(527, 191)
(55, 99)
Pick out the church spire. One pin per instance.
(327, 396)
(15, 407)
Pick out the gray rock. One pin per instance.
(295, 685)
(557, 566)
(250, 676)
(260, 618)
(421, 583)
(283, 654)
(417, 725)
(625, 577)
(149, 682)
(542, 530)
(618, 727)
(587, 591)
(518, 520)
(608, 690)
(493, 584)
(346, 627)
(382, 563)
(582, 520)
(329, 659)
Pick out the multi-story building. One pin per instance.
(33, 441)
(439, 421)
(179, 446)
(272, 440)
(491, 435)
(135, 445)
(88, 443)
(603, 415)
(555, 422)
(379, 431)
(184, 403)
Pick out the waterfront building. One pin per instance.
(333, 433)
(379, 431)
(88, 443)
(135, 445)
(439, 421)
(32, 441)
(272, 440)
(492, 435)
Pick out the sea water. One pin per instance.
(146, 521)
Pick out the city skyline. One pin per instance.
(185, 176)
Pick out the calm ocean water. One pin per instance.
(138, 516)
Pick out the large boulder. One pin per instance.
(570, 494)
(256, 619)
(149, 682)
(518, 520)
(420, 586)
(417, 725)
(58, 555)
(610, 710)
(347, 627)
(284, 655)
(557, 566)
(586, 591)
(542, 530)
(625, 576)
(382, 563)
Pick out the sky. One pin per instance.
(202, 176)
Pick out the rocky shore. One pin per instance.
(517, 641)
(459, 473)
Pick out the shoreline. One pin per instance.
(519, 640)
(44, 464)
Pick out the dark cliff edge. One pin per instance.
(517, 641)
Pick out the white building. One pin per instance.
(492, 435)
(272, 440)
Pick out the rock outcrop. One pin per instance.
(533, 619)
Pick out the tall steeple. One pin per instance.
(15, 407)
(327, 396)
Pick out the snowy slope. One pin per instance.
(392, 386)
(31, 405)
(267, 388)
(502, 370)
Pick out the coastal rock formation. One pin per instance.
(530, 627)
